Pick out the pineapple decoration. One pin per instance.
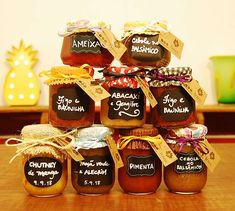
(21, 85)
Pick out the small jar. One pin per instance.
(95, 174)
(142, 170)
(188, 174)
(175, 108)
(44, 166)
(80, 46)
(69, 105)
(125, 108)
(143, 49)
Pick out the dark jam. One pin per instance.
(84, 48)
(70, 106)
(144, 50)
(95, 174)
(175, 108)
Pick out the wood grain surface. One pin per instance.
(219, 193)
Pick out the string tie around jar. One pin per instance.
(152, 27)
(69, 74)
(110, 76)
(152, 140)
(196, 142)
(165, 74)
(62, 142)
(82, 25)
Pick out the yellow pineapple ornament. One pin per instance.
(21, 85)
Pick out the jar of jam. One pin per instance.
(125, 108)
(69, 105)
(44, 160)
(80, 46)
(95, 174)
(188, 174)
(175, 108)
(143, 49)
(142, 170)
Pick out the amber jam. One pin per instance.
(69, 105)
(142, 45)
(175, 108)
(188, 174)
(80, 46)
(125, 108)
(142, 171)
(44, 166)
(96, 173)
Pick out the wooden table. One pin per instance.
(219, 194)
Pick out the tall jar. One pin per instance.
(187, 175)
(142, 170)
(175, 108)
(80, 46)
(143, 48)
(125, 108)
(43, 159)
(95, 174)
(69, 105)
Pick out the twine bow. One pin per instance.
(57, 141)
(55, 74)
(154, 141)
(196, 142)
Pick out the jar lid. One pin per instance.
(92, 137)
(192, 131)
(39, 131)
(145, 130)
(145, 27)
(166, 76)
(67, 74)
(122, 77)
(82, 26)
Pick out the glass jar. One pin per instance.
(187, 175)
(175, 108)
(95, 174)
(69, 105)
(142, 170)
(143, 49)
(44, 166)
(125, 108)
(80, 46)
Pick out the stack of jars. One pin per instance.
(70, 107)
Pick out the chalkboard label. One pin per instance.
(85, 44)
(70, 103)
(141, 165)
(175, 105)
(188, 163)
(42, 171)
(145, 48)
(126, 103)
(94, 170)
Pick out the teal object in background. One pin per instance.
(224, 67)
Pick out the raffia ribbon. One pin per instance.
(154, 141)
(57, 75)
(57, 141)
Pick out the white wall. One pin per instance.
(207, 28)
